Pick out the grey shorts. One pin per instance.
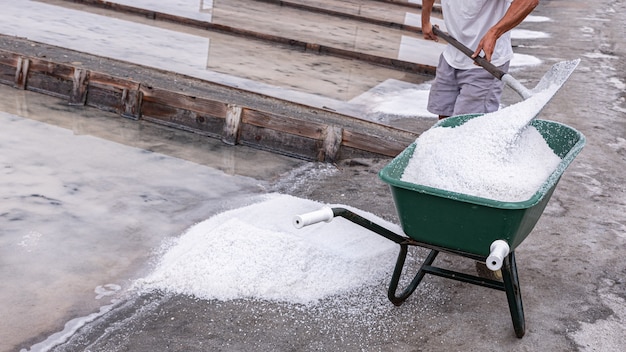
(457, 92)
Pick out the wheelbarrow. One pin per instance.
(481, 229)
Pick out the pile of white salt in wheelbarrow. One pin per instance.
(497, 156)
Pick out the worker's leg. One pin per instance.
(480, 92)
(443, 91)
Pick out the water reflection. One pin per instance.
(310, 79)
(202, 11)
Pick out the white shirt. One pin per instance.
(468, 21)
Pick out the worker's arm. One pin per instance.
(427, 28)
(516, 13)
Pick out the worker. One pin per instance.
(460, 86)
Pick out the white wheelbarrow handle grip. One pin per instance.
(499, 249)
(324, 214)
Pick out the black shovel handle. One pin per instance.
(494, 70)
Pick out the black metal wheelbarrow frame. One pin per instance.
(510, 283)
(473, 227)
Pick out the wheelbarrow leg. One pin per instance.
(513, 294)
(397, 273)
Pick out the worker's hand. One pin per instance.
(427, 30)
(487, 45)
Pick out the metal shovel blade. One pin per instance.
(553, 79)
(557, 75)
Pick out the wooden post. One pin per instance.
(21, 72)
(333, 137)
(131, 102)
(80, 82)
(232, 124)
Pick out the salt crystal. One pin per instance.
(497, 156)
(256, 252)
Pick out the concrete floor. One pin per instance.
(571, 266)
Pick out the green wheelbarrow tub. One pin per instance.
(471, 224)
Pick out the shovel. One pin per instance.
(554, 78)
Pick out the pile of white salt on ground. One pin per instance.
(256, 252)
(497, 156)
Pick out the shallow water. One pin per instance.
(81, 215)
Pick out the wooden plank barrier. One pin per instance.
(338, 137)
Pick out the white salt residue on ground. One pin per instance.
(256, 252)
(394, 98)
(596, 55)
(528, 34)
(536, 19)
(408, 102)
(520, 60)
(495, 156)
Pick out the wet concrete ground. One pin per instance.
(571, 266)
